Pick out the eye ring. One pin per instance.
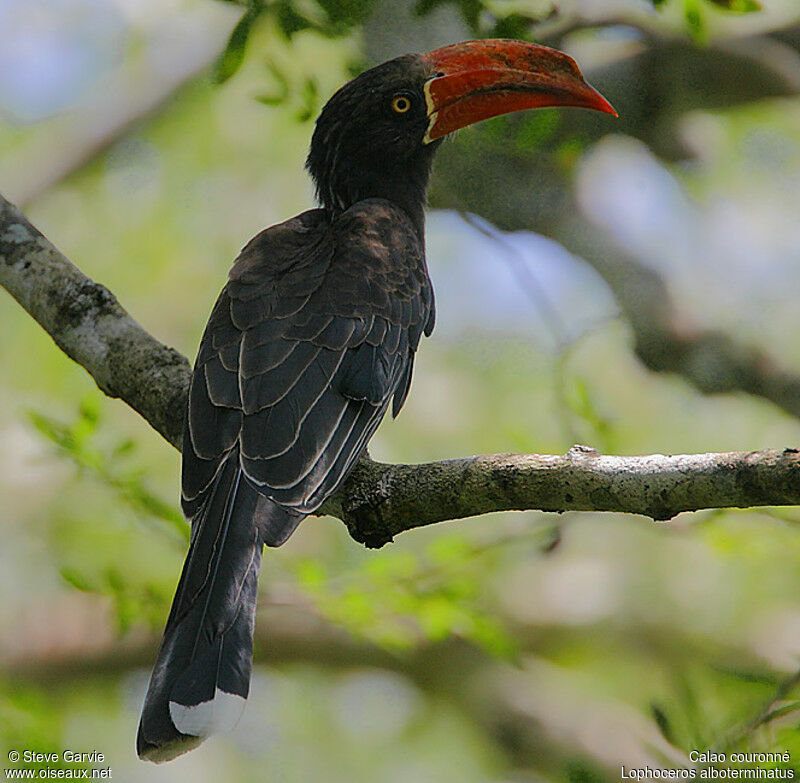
(401, 104)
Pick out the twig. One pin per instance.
(768, 713)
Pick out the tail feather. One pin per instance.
(201, 678)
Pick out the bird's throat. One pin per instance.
(349, 188)
(343, 179)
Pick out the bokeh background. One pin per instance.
(622, 284)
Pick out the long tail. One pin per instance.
(202, 673)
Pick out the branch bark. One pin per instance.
(87, 322)
(381, 501)
(378, 501)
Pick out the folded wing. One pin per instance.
(311, 340)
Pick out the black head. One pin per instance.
(376, 136)
(369, 138)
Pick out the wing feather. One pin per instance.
(222, 384)
(272, 431)
(308, 344)
(213, 429)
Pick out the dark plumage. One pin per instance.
(309, 342)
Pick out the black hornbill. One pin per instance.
(310, 340)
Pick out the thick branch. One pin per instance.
(78, 638)
(91, 327)
(383, 500)
(378, 501)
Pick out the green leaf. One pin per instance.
(694, 20)
(289, 20)
(490, 634)
(232, 58)
(312, 575)
(536, 129)
(664, 726)
(77, 441)
(346, 14)
(77, 580)
(440, 617)
(355, 66)
(124, 448)
(281, 92)
(470, 9)
(30, 717)
(424, 7)
(53, 430)
(569, 152)
(581, 403)
(270, 99)
(356, 608)
(515, 25)
(89, 411)
(310, 97)
(389, 568)
(449, 550)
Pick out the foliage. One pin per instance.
(735, 6)
(81, 441)
(112, 465)
(329, 18)
(232, 58)
(306, 93)
(397, 599)
(484, 18)
(29, 718)
(394, 599)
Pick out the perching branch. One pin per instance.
(378, 501)
(382, 500)
(91, 327)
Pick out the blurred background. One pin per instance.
(628, 284)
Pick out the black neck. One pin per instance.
(345, 177)
(409, 195)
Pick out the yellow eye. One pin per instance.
(401, 104)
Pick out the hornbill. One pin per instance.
(310, 341)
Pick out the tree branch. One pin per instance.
(378, 501)
(381, 501)
(91, 327)
(665, 339)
